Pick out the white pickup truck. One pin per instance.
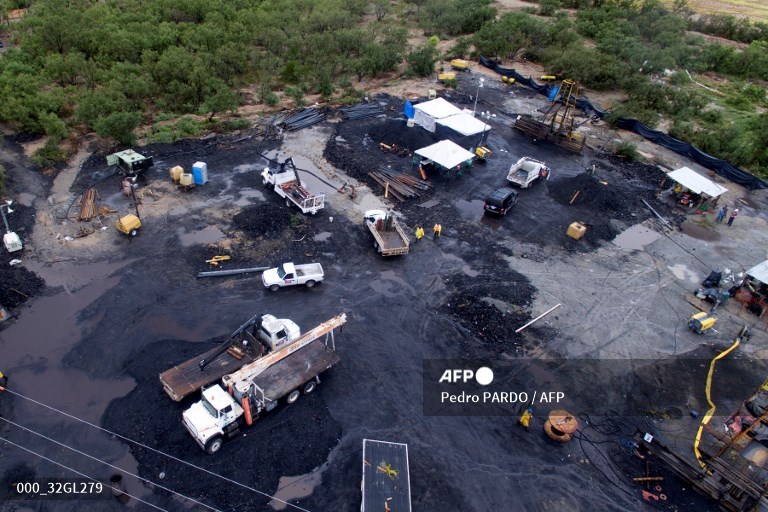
(289, 274)
(287, 184)
(527, 170)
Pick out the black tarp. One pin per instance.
(721, 167)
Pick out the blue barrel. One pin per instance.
(200, 173)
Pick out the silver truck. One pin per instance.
(289, 274)
(389, 238)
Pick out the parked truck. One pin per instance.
(527, 170)
(259, 336)
(288, 185)
(257, 387)
(289, 274)
(389, 237)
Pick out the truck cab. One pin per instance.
(277, 332)
(208, 419)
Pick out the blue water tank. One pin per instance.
(200, 173)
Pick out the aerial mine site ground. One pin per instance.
(95, 319)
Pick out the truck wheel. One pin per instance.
(274, 287)
(134, 232)
(213, 445)
(293, 396)
(376, 245)
(287, 203)
(309, 387)
(266, 183)
(310, 283)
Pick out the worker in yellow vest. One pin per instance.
(419, 233)
(3, 380)
(525, 419)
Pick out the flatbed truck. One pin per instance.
(287, 184)
(259, 386)
(260, 335)
(389, 237)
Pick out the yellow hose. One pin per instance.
(712, 407)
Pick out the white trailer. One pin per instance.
(287, 184)
(386, 481)
(258, 386)
(527, 170)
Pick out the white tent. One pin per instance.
(427, 113)
(759, 272)
(446, 154)
(464, 123)
(696, 183)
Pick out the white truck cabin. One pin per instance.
(278, 332)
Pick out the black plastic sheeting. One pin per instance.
(721, 167)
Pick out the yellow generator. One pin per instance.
(460, 64)
(482, 153)
(702, 322)
(129, 224)
(443, 77)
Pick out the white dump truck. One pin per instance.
(389, 237)
(289, 274)
(527, 170)
(260, 335)
(257, 387)
(288, 185)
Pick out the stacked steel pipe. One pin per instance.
(402, 186)
(361, 111)
(302, 119)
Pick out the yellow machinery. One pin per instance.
(507, 80)
(460, 64)
(129, 224)
(443, 77)
(482, 153)
(701, 322)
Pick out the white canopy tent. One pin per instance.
(697, 183)
(445, 153)
(464, 123)
(427, 113)
(759, 272)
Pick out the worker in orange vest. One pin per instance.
(437, 231)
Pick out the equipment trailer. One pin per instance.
(386, 480)
(258, 386)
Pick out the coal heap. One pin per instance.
(597, 196)
(263, 219)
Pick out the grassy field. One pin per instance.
(754, 9)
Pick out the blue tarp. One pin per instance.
(409, 111)
(721, 167)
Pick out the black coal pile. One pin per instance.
(603, 197)
(19, 284)
(263, 219)
(490, 305)
(257, 457)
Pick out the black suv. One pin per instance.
(500, 201)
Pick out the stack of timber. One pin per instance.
(402, 186)
(88, 205)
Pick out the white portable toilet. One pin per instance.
(200, 173)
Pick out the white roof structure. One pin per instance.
(696, 183)
(760, 272)
(446, 153)
(437, 108)
(465, 124)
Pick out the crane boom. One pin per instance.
(251, 370)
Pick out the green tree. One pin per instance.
(119, 126)
(219, 98)
(421, 61)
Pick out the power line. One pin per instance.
(77, 472)
(107, 463)
(155, 450)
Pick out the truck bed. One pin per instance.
(386, 477)
(390, 242)
(290, 373)
(186, 378)
(309, 269)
